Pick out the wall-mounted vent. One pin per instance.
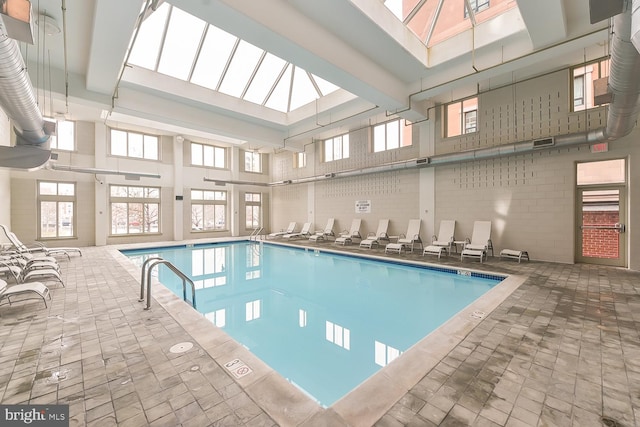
(424, 161)
(329, 175)
(543, 142)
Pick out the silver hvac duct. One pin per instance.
(18, 101)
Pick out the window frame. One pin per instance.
(143, 135)
(203, 148)
(463, 114)
(477, 8)
(602, 68)
(389, 128)
(57, 199)
(253, 204)
(55, 139)
(255, 155)
(215, 202)
(129, 200)
(343, 149)
(299, 160)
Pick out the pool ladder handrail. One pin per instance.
(256, 233)
(145, 279)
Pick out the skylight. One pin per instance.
(436, 20)
(180, 45)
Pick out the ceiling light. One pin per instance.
(49, 24)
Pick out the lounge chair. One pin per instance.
(289, 230)
(407, 241)
(480, 243)
(445, 237)
(30, 290)
(347, 236)
(323, 234)
(39, 248)
(22, 273)
(379, 236)
(304, 232)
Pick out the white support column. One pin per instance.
(427, 201)
(102, 214)
(178, 188)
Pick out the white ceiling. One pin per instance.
(355, 44)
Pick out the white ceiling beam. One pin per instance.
(545, 20)
(113, 25)
(161, 111)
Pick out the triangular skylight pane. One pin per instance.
(213, 57)
(452, 20)
(402, 8)
(279, 99)
(420, 23)
(265, 78)
(243, 63)
(325, 86)
(144, 52)
(395, 6)
(181, 44)
(302, 91)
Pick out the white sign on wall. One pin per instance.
(363, 206)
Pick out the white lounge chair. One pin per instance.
(480, 243)
(289, 230)
(30, 290)
(347, 236)
(377, 237)
(324, 234)
(21, 273)
(39, 248)
(445, 237)
(304, 232)
(407, 241)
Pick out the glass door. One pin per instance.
(600, 212)
(601, 220)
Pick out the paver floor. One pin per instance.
(563, 349)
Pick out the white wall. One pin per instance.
(530, 198)
(5, 174)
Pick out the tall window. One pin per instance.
(56, 204)
(461, 117)
(133, 144)
(299, 160)
(336, 148)
(208, 155)
(590, 84)
(391, 135)
(252, 162)
(134, 210)
(65, 137)
(476, 6)
(252, 210)
(208, 210)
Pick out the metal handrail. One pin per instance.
(255, 233)
(146, 278)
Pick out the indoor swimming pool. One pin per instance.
(326, 322)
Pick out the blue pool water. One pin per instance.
(325, 322)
